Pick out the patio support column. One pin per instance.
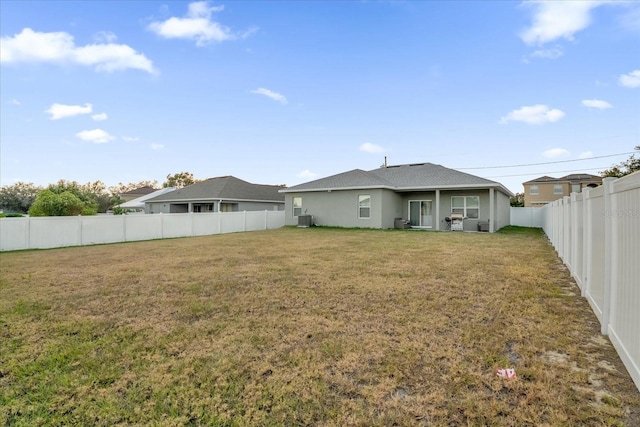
(190, 209)
(492, 213)
(436, 218)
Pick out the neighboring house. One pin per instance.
(222, 194)
(540, 191)
(137, 205)
(424, 195)
(134, 194)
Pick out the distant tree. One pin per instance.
(517, 200)
(64, 203)
(116, 190)
(179, 180)
(632, 164)
(100, 193)
(18, 197)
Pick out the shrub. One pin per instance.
(66, 203)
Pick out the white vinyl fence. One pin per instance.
(597, 235)
(527, 217)
(55, 232)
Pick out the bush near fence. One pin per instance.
(54, 232)
(597, 235)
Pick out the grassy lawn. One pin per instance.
(290, 327)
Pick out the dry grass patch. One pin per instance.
(305, 327)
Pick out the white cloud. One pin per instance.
(552, 53)
(157, 146)
(555, 153)
(97, 136)
(105, 37)
(59, 48)
(15, 102)
(307, 174)
(196, 25)
(553, 20)
(533, 115)
(596, 103)
(59, 111)
(100, 117)
(586, 155)
(130, 138)
(270, 94)
(630, 80)
(368, 147)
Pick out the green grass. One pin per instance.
(305, 327)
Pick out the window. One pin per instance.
(533, 190)
(203, 207)
(364, 206)
(297, 206)
(557, 189)
(575, 188)
(468, 206)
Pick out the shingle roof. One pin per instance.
(356, 178)
(429, 175)
(226, 188)
(419, 176)
(141, 191)
(572, 177)
(139, 202)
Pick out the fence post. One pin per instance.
(574, 235)
(586, 242)
(608, 256)
(79, 230)
(244, 220)
(266, 219)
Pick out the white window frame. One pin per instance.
(534, 190)
(361, 206)
(557, 189)
(297, 210)
(466, 206)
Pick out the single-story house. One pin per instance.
(423, 195)
(221, 194)
(137, 205)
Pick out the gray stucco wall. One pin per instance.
(502, 211)
(338, 208)
(182, 207)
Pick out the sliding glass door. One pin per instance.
(421, 213)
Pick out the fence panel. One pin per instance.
(624, 322)
(177, 225)
(595, 281)
(55, 232)
(577, 242)
(596, 233)
(206, 223)
(99, 229)
(234, 222)
(527, 217)
(143, 227)
(14, 234)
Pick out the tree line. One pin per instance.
(67, 198)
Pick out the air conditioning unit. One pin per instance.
(305, 220)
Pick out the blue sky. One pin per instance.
(285, 92)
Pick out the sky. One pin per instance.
(284, 92)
